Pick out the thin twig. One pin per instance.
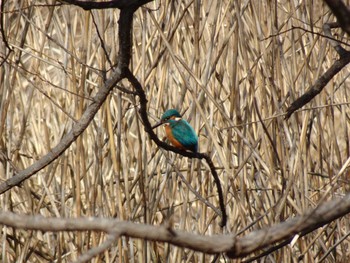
(93, 252)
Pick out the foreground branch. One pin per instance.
(231, 244)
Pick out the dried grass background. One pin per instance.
(232, 68)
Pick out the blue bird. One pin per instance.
(178, 131)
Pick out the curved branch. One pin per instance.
(125, 43)
(234, 246)
(342, 12)
(148, 128)
(3, 35)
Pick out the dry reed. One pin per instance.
(232, 68)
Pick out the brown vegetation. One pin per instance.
(232, 68)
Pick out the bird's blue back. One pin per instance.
(184, 134)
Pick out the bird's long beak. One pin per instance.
(157, 125)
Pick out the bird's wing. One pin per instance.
(185, 134)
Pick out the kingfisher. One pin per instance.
(178, 131)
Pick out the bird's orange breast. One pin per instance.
(171, 138)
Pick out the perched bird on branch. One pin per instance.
(178, 131)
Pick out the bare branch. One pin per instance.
(342, 12)
(68, 139)
(231, 244)
(125, 26)
(334, 43)
(2, 32)
(301, 225)
(148, 128)
(333, 70)
(209, 244)
(319, 85)
(93, 252)
(120, 4)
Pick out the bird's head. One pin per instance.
(171, 114)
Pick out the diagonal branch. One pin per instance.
(125, 26)
(93, 252)
(235, 247)
(321, 82)
(319, 85)
(68, 139)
